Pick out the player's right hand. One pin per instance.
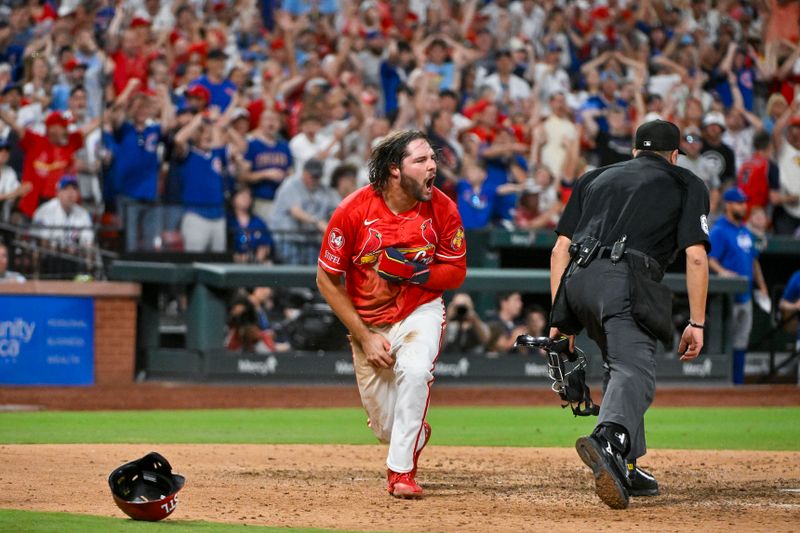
(377, 350)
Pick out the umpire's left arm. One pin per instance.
(697, 287)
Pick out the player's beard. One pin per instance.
(418, 191)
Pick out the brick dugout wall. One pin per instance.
(114, 339)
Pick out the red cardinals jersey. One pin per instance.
(752, 179)
(45, 164)
(363, 226)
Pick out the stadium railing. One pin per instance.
(47, 259)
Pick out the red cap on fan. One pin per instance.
(56, 118)
(199, 47)
(140, 22)
(71, 64)
(199, 91)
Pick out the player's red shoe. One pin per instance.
(402, 485)
(426, 436)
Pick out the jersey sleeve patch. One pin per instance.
(336, 239)
(457, 242)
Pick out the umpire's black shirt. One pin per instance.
(662, 208)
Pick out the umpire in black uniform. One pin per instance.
(623, 225)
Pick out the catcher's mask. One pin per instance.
(568, 383)
(146, 489)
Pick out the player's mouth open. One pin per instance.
(429, 184)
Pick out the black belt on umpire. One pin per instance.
(636, 259)
(584, 252)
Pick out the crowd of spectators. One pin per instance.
(238, 125)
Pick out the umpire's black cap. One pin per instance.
(658, 136)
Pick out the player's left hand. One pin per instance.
(393, 266)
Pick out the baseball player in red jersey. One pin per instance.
(390, 250)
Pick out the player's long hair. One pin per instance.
(390, 151)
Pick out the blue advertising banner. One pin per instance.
(46, 340)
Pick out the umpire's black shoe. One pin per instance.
(642, 482)
(610, 480)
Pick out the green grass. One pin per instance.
(37, 522)
(750, 428)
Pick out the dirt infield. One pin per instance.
(342, 487)
(185, 396)
(467, 489)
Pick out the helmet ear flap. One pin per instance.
(146, 489)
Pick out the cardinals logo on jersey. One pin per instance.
(370, 249)
(423, 254)
(428, 233)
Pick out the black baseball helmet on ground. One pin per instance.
(146, 489)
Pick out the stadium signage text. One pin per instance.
(700, 370)
(262, 368)
(344, 368)
(455, 370)
(539, 371)
(14, 333)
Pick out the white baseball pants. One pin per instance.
(396, 399)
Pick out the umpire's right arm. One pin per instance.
(559, 261)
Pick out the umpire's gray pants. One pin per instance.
(599, 295)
